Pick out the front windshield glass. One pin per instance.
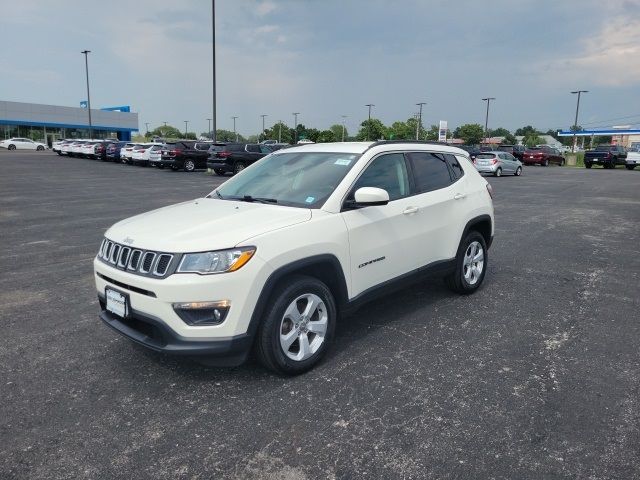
(304, 179)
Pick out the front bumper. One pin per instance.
(152, 333)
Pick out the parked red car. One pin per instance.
(542, 156)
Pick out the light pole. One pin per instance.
(343, 120)
(186, 128)
(147, 126)
(213, 63)
(263, 117)
(419, 120)
(234, 128)
(369, 122)
(295, 127)
(575, 122)
(279, 131)
(486, 118)
(209, 120)
(86, 68)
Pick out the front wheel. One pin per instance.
(471, 264)
(39, 148)
(11, 147)
(298, 326)
(587, 165)
(518, 171)
(630, 167)
(545, 163)
(219, 171)
(561, 163)
(189, 166)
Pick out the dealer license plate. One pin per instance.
(116, 302)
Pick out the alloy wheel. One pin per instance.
(473, 263)
(303, 327)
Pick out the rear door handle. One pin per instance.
(459, 196)
(410, 210)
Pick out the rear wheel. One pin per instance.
(498, 172)
(587, 164)
(11, 147)
(238, 167)
(545, 163)
(39, 148)
(471, 264)
(518, 171)
(189, 166)
(561, 162)
(630, 167)
(298, 326)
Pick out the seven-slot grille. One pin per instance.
(135, 260)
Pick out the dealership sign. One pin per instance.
(442, 131)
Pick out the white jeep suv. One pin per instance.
(270, 259)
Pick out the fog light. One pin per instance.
(202, 313)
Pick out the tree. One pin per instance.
(532, 140)
(190, 136)
(280, 131)
(167, 131)
(509, 139)
(499, 132)
(337, 132)
(327, 136)
(224, 136)
(526, 131)
(471, 133)
(372, 129)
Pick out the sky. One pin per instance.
(328, 58)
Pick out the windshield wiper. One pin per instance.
(249, 198)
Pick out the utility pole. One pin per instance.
(369, 122)
(209, 120)
(86, 68)
(186, 128)
(343, 120)
(263, 116)
(575, 122)
(295, 128)
(147, 125)
(279, 131)
(486, 118)
(419, 120)
(213, 63)
(234, 128)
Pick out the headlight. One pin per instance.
(220, 261)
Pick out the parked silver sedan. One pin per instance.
(498, 164)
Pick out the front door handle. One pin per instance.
(410, 210)
(459, 196)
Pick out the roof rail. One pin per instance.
(418, 142)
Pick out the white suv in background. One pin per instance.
(271, 258)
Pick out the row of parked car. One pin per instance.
(187, 155)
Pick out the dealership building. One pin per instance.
(47, 123)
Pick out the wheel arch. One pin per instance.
(326, 268)
(483, 224)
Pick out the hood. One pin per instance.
(203, 224)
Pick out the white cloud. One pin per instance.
(265, 8)
(608, 57)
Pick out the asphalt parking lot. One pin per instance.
(535, 376)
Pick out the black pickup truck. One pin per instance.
(606, 155)
(185, 154)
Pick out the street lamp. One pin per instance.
(369, 123)
(86, 67)
(575, 122)
(186, 128)
(419, 120)
(209, 120)
(263, 117)
(343, 120)
(213, 63)
(486, 118)
(295, 127)
(147, 125)
(234, 128)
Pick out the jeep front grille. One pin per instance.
(141, 262)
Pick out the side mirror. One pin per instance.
(368, 196)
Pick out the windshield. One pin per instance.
(303, 179)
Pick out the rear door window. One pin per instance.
(430, 171)
(253, 148)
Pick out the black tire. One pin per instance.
(456, 280)
(587, 165)
(11, 147)
(545, 163)
(189, 166)
(59, 153)
(498, 172)
(561, 164)
(518, 171)
(39, 148)
(219, 171)
(238, 167)
(630, 167)
(267, 345)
